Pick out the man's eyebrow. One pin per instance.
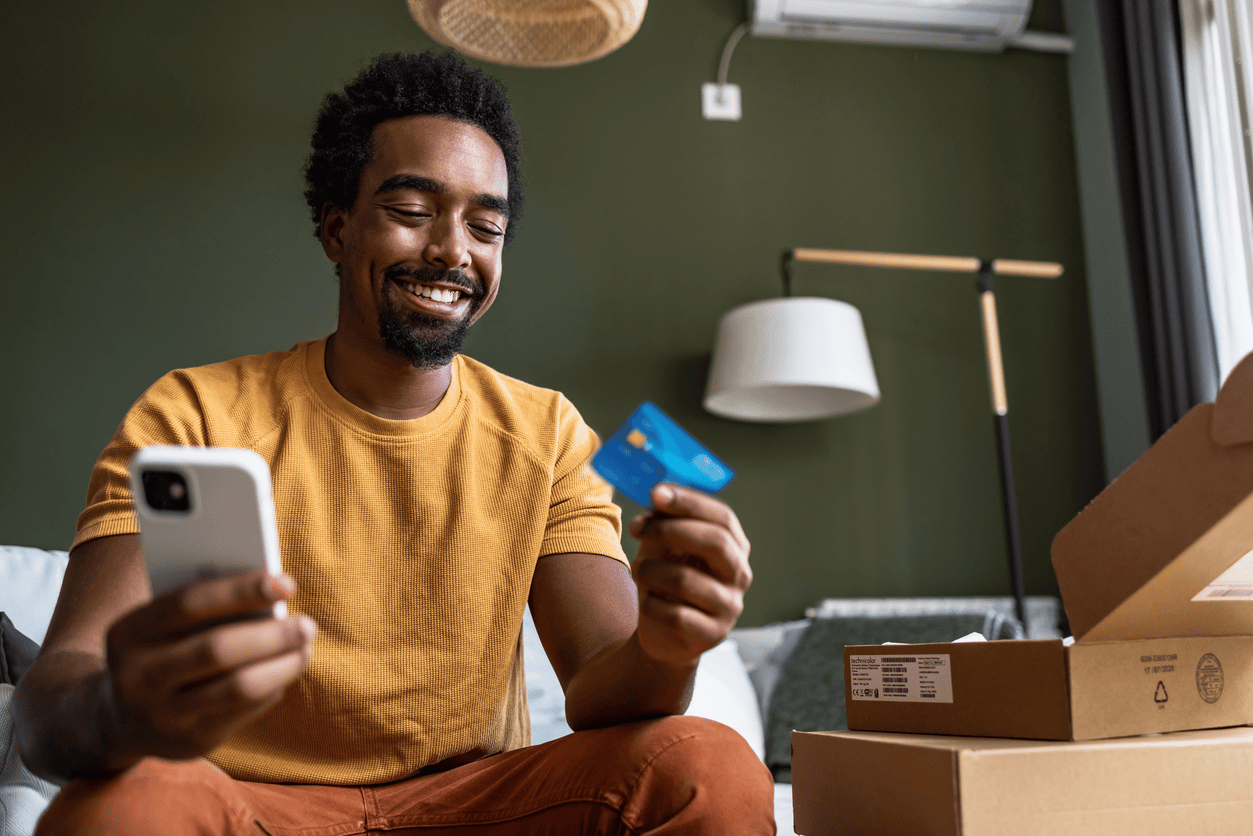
(494, 202)
(418, 183)
(410, 183)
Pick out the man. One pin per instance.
(423, 501)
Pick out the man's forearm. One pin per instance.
(65, 721)
(622, 683)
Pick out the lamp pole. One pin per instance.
(992, 344)
(1000, 417)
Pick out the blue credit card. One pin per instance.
(651, 448)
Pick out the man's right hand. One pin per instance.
(196, 663)
(122, 676)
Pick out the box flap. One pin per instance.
(1138, 561)
(1233, 408)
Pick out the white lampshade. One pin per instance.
(791, 359)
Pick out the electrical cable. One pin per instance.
(724, 66)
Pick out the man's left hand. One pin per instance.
(691, 571)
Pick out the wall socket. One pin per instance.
(720, 101)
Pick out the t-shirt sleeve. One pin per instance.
(582, 516)
(168, 413)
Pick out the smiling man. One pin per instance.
(424, 501)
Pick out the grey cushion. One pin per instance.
(764, 650)
(17, 652)
(1044, 612)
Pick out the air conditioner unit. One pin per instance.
(988, 25)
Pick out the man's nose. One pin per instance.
(449, 245)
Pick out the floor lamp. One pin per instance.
(803, 358)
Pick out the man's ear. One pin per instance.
(330, 232)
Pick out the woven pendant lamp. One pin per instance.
(530, 33)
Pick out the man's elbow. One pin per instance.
(56, 712)
(28, 730)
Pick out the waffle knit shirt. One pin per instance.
(412, 544)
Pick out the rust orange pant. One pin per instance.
(676, 775)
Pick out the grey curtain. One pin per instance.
(1145, 72)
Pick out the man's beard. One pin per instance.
(427, 342)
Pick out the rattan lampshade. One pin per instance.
(530, 33)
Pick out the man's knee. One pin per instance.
(702, 749)
(152, 797)
(698, 770)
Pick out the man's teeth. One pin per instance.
(434, 293)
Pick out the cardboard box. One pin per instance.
(876, 784)
(1156, 575)
(1042, 690)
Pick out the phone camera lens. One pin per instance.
(166, 490)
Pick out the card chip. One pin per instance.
(636, 439)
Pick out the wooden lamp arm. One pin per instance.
(946, 263)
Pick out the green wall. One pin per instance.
(154, 219)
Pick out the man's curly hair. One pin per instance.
(391, 87)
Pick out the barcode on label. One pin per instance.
(900, 679)
(1229, 593)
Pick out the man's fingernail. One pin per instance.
(283, 584)
(663, 495)
(308, 627)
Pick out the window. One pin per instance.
(1218, 79)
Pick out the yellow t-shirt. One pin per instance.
(412, 544)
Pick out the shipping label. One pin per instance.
(923, 678)
(1235, 584)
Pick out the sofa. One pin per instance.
(763, 681)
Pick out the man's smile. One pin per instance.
(434, 300)
(439, 294)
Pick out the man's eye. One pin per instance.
(409, 213)
(490, 231)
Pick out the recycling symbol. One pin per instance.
(1159, 696)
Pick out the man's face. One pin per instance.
(420, 248)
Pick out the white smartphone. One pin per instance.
(204, 512)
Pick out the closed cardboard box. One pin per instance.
(1156, 575)
(876, 784)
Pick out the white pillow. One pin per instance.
(30, 580)
(545, 699)
(723, 692)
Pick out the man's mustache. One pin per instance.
(432, 275)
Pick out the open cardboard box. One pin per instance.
(860, 783)
(1156, 575)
